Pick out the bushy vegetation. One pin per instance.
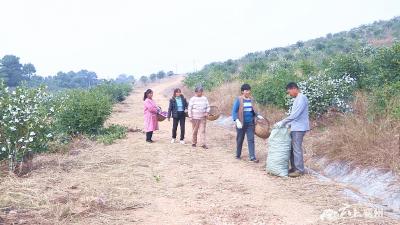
(117, 91)
(114, 132)
(329, 70)
(213, 75)
(325, 92)
(268, 88)
(84, 112)
(386, 101)
(25, 122)
(30, 118)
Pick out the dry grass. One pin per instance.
(223, 96)
(357, 139)
(64, 188)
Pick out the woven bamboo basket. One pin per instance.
(214, 113)
(262, 128)
(162, 116)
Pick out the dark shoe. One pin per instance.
(238, 158)
(204, 146)
(194, 145)
(149, 141)
(254, 160)
(295, 174)
(291, 170)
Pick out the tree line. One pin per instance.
(156, 76)
(13, 73)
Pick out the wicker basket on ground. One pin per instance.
(262, 128)
(214, 113)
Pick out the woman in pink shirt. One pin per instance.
(150, 115)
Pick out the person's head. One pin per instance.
(199, 91)
(246, 90)
(292, 89)
(148, 94)
(177, 92)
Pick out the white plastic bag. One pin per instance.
(279, 144)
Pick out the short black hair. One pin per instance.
(245, 87)
(292, 85)
(199, 89)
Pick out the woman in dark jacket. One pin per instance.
(177, 109)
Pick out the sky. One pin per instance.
(112, 37)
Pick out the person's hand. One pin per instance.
(260, 117)
(278, 124)
(239, 125)
(206, 114)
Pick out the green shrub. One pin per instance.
(108, 135)
(385, 101)
(84, 112)
(253, 69)
(271, 89)
(387, 64)
(116, 91)
(212, 75)
(307, 67)
(349, 64)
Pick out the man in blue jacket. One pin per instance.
(298, 121)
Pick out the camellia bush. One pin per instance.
(270, 90)
(32, 117)
(326, 92)
(84, 112)
(116, 91)
(25, 121)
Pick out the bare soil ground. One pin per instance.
(132, 182)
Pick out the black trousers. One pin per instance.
(180, 120)
(149, 135)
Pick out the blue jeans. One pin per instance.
(248, 129)
(296, 153)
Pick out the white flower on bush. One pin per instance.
(24, 116)
(325, 92)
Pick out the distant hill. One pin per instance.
(303, 57)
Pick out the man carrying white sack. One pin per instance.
(298, 121)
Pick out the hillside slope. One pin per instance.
(131, 182)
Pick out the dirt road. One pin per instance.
(132, 182)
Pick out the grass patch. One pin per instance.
(112, 133)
